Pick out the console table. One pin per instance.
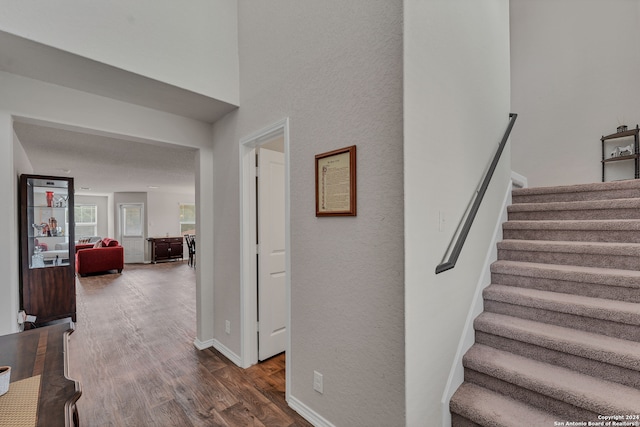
(165, 248)
(43, 351)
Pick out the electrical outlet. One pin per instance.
(227, 327)
(441, 221)
(317, 382)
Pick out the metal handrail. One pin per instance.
(457, 248)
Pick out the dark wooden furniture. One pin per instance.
(43, 351)
(165, 248)
(47, 254)
(635, 156)
(191, 246)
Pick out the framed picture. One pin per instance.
(336, 182)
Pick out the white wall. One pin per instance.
(192, 45)
(575, 67)
(164, 212)
(456, 106)
(17, 164)
(40, 102)
(21, 162)
(335, 69)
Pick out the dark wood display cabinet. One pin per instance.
(166, 248)
(47, 252)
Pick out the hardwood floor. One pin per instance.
(133, 354)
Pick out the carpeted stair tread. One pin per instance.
(560, 333)
(603, 248)
(579, 192)
(582, 210)
(582, 391)
(585, 344)
(581, 225)
(597, 275)
(582, 205)
(612, 230)
(592, 254)
(587, 307)
(597, 282)
(579, 188)
(491, 409)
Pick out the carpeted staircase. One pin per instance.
(559, 340)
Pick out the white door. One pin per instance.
(272, 304)
(132, 232)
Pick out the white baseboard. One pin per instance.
(201, 345)
(227, 353)
(308, 413)
(456, 375)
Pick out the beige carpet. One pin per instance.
(559, 340)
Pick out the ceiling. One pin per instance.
(41, 62)
(103, 165)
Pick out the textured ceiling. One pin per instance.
(107, 165)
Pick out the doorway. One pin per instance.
(49, 139)
(265, 141)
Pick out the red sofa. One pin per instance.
(109, 256)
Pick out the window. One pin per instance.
(86, 220)
(187, 218)
(132, 220)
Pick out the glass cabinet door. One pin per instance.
(50, 226)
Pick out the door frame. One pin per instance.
(248, 264)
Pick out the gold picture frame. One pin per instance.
(336, 182)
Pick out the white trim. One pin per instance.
(227, 352)
(213, 343)
(248, 267)
(519, 181)
(456, 375)
(248, 264)
(307, 413)
(202, 345)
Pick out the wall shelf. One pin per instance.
(607, 146)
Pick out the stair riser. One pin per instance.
(569, 287)
(581, 259)
(629, 193)
(598, 326)
(584, 365)
(573, 235)
(538, 400)
(541, 365)
(595, 214)
(460, 421)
